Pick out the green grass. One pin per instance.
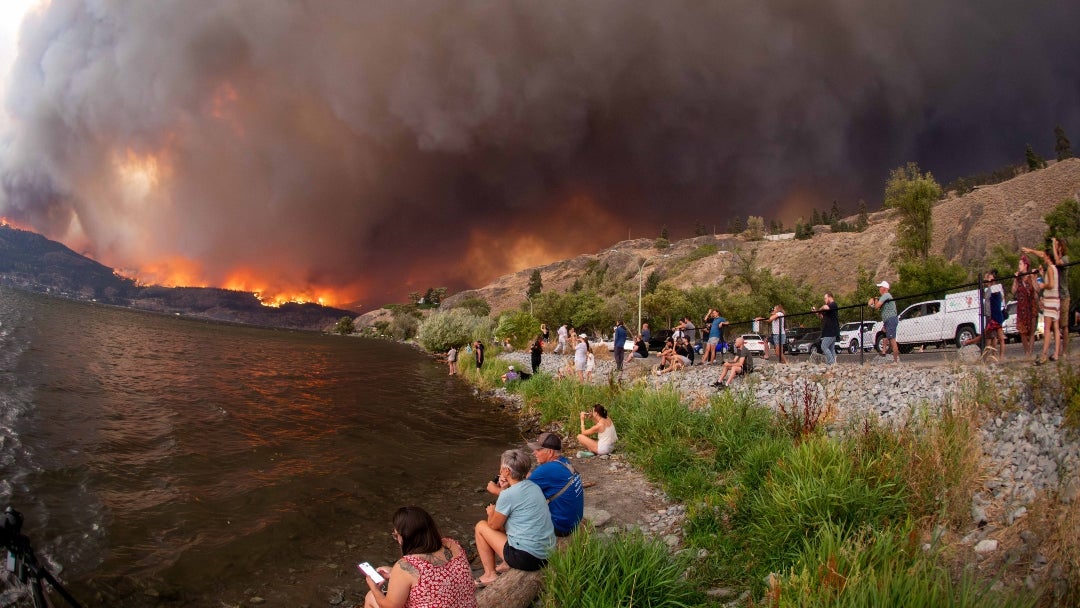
(595, 571)
(815, 509)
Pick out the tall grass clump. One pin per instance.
(560, 399)
(596, 571)
(935, 457)
(878, 567)
(817, 486)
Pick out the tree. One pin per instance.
(700, 229)
(735, 225)
(476, 305)
(535, 283)
(1034, 161)
(344, 326)
(520, 326)
(456, 327)
(815, 218)
(913, 193)
(932, 275)
(664, 232)
(755, 228)
(667, 303)
(834, 213)
(1062, 146)
(864, 217)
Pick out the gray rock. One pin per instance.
(988, 545)
(598, 517)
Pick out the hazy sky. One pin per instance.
(362, 150)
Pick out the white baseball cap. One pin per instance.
(884, 284)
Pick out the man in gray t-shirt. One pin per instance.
(887, 305)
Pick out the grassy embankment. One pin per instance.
(775, 505)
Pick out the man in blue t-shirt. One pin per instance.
(620, 344)
(560, 483)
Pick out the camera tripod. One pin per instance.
(23, 562)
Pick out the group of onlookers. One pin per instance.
(534, 506)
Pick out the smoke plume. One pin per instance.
(363, 150)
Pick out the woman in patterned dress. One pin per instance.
(1026, 305)
(433, 572)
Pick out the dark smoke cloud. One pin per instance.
(374, 144)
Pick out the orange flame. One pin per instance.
(223, 107)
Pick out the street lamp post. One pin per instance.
(641, 268)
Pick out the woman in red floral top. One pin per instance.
(432, 573)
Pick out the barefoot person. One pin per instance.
(433, 571)
(518, 527)
(602, 427)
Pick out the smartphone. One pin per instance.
(368, 570)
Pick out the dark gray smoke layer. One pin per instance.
(387, 146)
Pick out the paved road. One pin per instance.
(1014, 353)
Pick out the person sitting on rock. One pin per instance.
(743, 363)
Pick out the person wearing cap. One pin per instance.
(581, 356)
(511, 374)
(887, 305)
(560, 483)
(518, 526)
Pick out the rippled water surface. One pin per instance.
(192, 457)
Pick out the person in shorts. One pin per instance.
(518, 525)
(887, 305)
(778, 329)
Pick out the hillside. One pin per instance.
(32, 262)
(966, 228)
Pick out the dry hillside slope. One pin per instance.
(965, 228)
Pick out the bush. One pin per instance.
(872, 567)
(594, 571)
(520, 326)
(456, 327)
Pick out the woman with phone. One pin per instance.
(433, 571)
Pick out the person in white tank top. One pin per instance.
(604, 429)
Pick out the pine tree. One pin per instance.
(700, 229)
(815, 219)
(1034, 161)
(535, 284)
(864, 217)
(664, 232)
(834, 214)
(1062, 145)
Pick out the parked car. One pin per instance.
(795, 335)
(755, 344)
(658, 338)
(850, 338)
(1011, 335)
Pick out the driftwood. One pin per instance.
(513, 589)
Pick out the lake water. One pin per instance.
(166, 461)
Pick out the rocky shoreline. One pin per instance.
(1029, 456)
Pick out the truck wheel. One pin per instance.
(853, 347)
(964, 334)
(881, 343)
(814, 349)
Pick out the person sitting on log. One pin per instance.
(518, 526)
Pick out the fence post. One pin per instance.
(862, 347)
(982, 320)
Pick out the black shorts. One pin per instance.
(522, 560)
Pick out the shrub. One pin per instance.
(594, 571)
(456, 327)
(872, 567)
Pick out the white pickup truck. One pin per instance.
(936, 322)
